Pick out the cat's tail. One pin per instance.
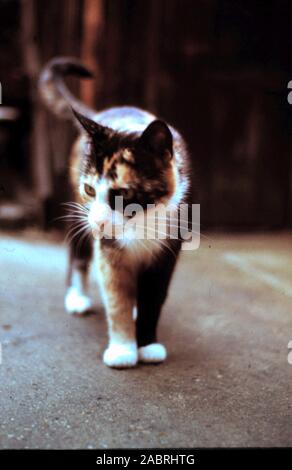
(54, 91)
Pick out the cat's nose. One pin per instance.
(100, 215)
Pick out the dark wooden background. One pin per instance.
(216, 69)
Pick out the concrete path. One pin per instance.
(227, 381)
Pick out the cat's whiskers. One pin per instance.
(77, 221)
(182, 226)
(70, 217)
(78, 232)
(144, 245)
(72, 203)
(74, 228)
(163, 245)
(165, 234)
(83, 237)
(167, 220)
(153, 229)
(76, 205)
(158, 241)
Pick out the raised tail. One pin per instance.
(54, 91)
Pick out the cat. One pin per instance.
(128, 154)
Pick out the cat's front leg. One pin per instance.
(118, 289)
(77, 300)
(153, 284)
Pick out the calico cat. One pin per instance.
(128, 154)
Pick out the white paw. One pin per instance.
(152, 353)
(121, 355)
(76, 302)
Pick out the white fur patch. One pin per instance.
(152, 353)
(121, 355)
(76, 302)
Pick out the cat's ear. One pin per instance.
(94, 129)
(157, 139)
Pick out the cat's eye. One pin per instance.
(90, 191)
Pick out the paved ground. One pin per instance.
(227, 381)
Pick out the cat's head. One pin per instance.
(122, 174)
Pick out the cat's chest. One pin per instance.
(135, 253)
